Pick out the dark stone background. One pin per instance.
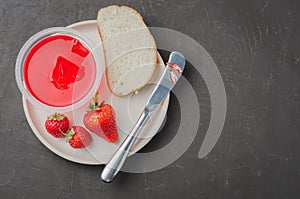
(255, 45)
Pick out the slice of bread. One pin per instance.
(130, 49)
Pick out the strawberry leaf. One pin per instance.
(70, 134)
(56, 116)
(93, 106)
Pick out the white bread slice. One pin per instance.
(130, 49)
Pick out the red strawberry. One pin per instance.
(100, 119)
(78, 137)
(57, 124)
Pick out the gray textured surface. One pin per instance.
(256, 47)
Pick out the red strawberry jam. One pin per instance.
(59, 70)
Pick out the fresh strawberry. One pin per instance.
(78, 137)
(100, 119)
(57, 124)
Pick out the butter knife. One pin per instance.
(170, 76)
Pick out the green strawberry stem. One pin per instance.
(93, 106)
(56, 116)
(65, 134)
(69, 134)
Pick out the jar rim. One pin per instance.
(32, 41)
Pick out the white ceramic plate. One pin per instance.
(127, 111)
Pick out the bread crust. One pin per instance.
(102, 39)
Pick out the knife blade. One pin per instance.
(170, 76)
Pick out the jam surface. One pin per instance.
(59, 70)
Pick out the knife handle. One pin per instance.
(118, 159)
